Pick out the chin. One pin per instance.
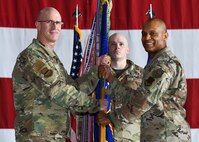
(148, 49)
(54, 39)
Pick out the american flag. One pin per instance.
(77, 53)
(74, 72)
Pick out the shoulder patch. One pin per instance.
(157, 73)
(46, 72)
(149, 81)
(41, 68)
(38, 66)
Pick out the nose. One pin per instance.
(117, 46)
(147, 36)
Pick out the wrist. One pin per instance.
(110, 78)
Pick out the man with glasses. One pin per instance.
(43, 90)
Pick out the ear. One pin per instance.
(166, 35)
(128, 50)
(37, 25)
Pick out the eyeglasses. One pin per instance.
(51, 22)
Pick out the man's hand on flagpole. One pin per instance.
(103, 60)
(104, 72)
(103, 104)
(102, 119)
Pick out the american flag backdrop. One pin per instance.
(77, 53)
(17, 29)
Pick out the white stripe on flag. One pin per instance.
(73, 136)
(7, 135)
(195, 135)
(14, 40)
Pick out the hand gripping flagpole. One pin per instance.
(104, 50)
(103, 133)
(102, 137)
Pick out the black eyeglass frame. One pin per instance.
(60, 23)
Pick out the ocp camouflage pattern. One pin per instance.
(130, 77)
(158, 101)
(43, 94)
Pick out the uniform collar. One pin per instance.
(49, 51)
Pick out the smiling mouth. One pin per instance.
(149, 43)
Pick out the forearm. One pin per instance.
(68, 96)
(116, 90)
(88, 82)
(121, 118)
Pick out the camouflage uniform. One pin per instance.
(159, 101)
(43, 94)
(130, 77)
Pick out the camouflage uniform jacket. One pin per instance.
(130, 77)
(159, 101)
(44, 92)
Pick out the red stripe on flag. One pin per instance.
(192, 103)
(23, 13)
(73, 123)
(131, 13)
(7, 112)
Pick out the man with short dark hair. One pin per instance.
(160, 99)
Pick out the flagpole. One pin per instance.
(150, 13)
(103, 133)
(104, 50)
(75, 69)
(102, 137)
(76, 15)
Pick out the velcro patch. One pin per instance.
(38, 66)
(149, 81)
(46, 72)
